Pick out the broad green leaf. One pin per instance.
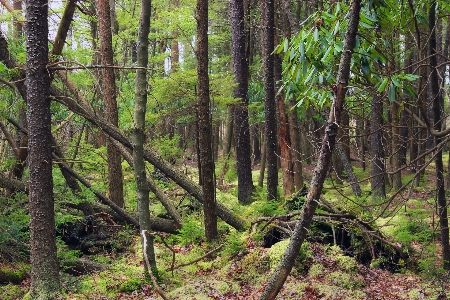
(327, 54)
(286, 45)
(411, 77)
(301, 48)
(365, 25)
(316, 34)
(365, 68)
(336, 28)
(391, 92)
(383, 85)
(410, 90)
(395, 81)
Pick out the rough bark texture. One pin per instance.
(108, 92)
(348, 168)
(395, 146)
(140, 176)
(242, 131)
(284, 139)
(44, 262)
(284, 268)
(204, 123)
(269, 100)
(63, 27)
(294, 132)
(378, 167)
(437, 114)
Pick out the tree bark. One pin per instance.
(241, 126)
(287, 262)
(108, 84)
(377, 181)
(437, 114)
(204, 123)
(140, 176)
(44, 262)
(284, 139)
(267, 15)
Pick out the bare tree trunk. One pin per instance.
(294, 132)
(140, 176)
(438, 108)
(284, 139)
(204, 123)
(241, 126)
(109, 97)
(378, 165)
(44, 262)
(267, 15)
(278, 278)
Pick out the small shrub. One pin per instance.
(191, 233)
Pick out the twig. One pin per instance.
(149, 268)
(198, 259)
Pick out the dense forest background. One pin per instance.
(224, 150)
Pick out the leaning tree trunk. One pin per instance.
(139, 136)
(115, 176)
(204, 123)
(267, 15)
(241, 128)
(44, 262)
(301, 228)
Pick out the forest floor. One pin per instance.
(242, 267)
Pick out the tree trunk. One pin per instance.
(140, 176)
(377, 182)
(284, 140)
(256, 145)
(395, 146)
(294, 132)
(437, 114)
(278, 278)
(204, 123)
(115, 176)
(44, 262)
(267, 16)
(241, 127)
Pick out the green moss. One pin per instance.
(130, 285)
(345, 280)
(15, 273)
(316, 270)
(276, 252)
(346, 263)
(11, 292)
(253, 267)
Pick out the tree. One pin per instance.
(437, 116)
(44, 262)
(241, 126)
(108, 90)
(204, 123)
(267, 14)
(141, 88)
(340, 89)
(378, 165)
